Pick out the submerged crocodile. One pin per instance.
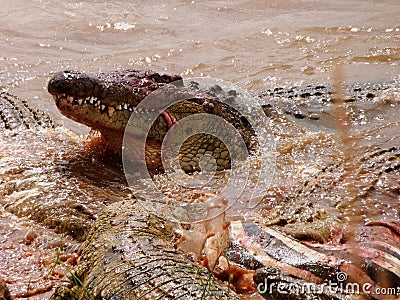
(113, 237)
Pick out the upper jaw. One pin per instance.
(111, 89)
(72, 83)
(104, 100)
(62, 101)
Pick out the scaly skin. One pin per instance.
(105, 101)
(38, 207)
(129, 254)
(17, 115)
(56, 189)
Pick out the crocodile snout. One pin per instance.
(72, 83)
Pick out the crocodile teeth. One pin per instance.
(102, 107)
(125, 105)
(70, 99)
(80, 101)
(130, 109)
(119, 107)
(111, 111)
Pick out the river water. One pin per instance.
(257, 45)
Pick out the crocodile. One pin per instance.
(129, 254)
(73, 195)
(105, 101)
(65, 193)
(315, 215)
(64, 217)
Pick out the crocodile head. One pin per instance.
(105, 102)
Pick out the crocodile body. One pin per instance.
(129, 254)
(59, 193)
(78, 208)
(42, 175)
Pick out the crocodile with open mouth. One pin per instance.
(105, 101)
(105, 247)
(73, 104)
(65, 188)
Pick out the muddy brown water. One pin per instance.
(254, 44)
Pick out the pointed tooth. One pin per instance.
(80, 101)
(130, 109)
(125, 105)
(110, 111)
(102, 107)
(70, 99)
(119, 107)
